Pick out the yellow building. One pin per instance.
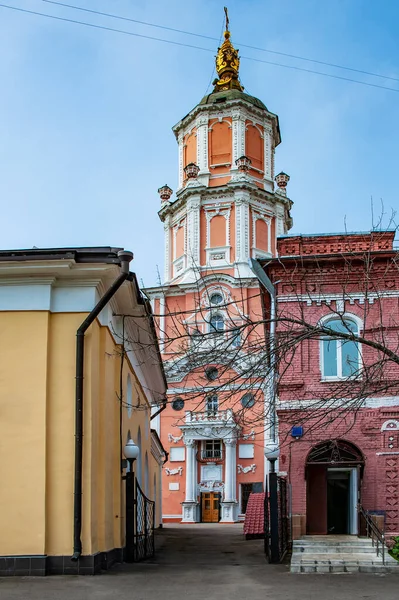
(62, 366)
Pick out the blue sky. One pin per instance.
(86, 115)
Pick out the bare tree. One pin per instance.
(273, 354)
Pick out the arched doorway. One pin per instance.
(333, 475)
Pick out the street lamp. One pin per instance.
(131, 452)
(272, 452)
(272, 534)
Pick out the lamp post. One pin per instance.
(272, 452)
(131, 452)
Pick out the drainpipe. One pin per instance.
(125, 258)
(267, 284)
(164, 405)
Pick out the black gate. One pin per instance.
(277, 519)
(144, 527)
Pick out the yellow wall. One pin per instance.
(23, 379)
(37, 423)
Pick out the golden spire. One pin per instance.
(227, 64)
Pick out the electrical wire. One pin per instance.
(192, 46)
(208, 37)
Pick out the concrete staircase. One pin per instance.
(339, 554)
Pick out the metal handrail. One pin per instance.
(373, 532)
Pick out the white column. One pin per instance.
(190, 456)
(229, 504)
(228, 476)
(190, 502)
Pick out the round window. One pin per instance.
(211, 373)
(216, 298)
(247, 400)
(178, 404)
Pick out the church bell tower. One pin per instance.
(227, 207)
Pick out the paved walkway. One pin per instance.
(198, 562)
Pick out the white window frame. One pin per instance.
(212, 329)
(324, 321)
(204, 449)
(207, 408)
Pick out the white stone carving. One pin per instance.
(250, 468)
(216, 486)
(249, 436)
(177, 471)
(175, 439)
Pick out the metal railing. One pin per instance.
(277, 528)
(144, 546)
(373, 532)
(211, 454)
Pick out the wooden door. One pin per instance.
(316, 504)
(210, 507)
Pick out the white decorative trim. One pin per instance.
(181, 157)
(214, 211)
(249, 436)
(381, 402)
(177, 471)
(202, 142)
(390, 425)
(174, 439)
(351, 297)
(386, 453)
(268, 140)
(250, 468)
(258, 216)
(193, 231)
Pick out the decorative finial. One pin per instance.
(243, 163)
(226, 12)
(282, 179)
(165, 193)
(227, 63)
(191, 170)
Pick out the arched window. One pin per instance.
(146, 476)
(139, 459)
(216, 323)
(340, 358)
(129, 396)
(212, 404)
(236, 338)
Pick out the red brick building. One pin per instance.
(338, 404)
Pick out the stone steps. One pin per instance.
(339, 554)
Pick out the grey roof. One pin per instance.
(216, 97)
(91, 254)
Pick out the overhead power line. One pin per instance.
(208, 37)
(181, 44)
